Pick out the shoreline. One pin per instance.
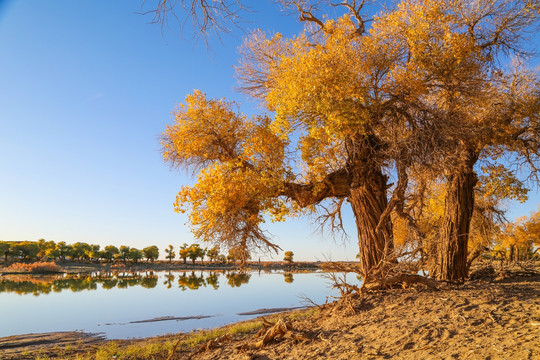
(67, 343)
(76, 267)
(495, 316)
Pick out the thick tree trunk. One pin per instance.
(452, 250)
(368, 202)
(363, 183)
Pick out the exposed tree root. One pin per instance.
(272, 333)
(405, 280)
(212, 344)
(392, 276)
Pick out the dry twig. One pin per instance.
(269, 333)
(212, 344)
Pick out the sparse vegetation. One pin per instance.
(162, 348)
(36, 268)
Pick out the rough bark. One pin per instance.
(364, 185)
(452, 250)
(368, 203)
(336, 184)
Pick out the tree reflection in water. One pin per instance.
(237, 279)
(37, 285)
(192, 282)
(169, 278)
(213, 280)
(288, 278)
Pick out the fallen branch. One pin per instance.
(212, 344)
(526, 270)
(269, 333)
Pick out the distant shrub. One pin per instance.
(37, 267)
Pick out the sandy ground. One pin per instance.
(496, 316)
(479, 320)
(14, 347)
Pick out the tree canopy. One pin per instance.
(419, 94)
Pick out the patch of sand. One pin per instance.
(480, 320)
(490, 318)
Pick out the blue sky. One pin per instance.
(86, 88)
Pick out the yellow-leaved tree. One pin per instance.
(349, 106)
(480, 111)
(339, 121)
(239, 162)
(520, 240)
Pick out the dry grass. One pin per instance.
(35, 268)
(162, 348)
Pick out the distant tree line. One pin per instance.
(80, 251)
(42, 249)
(194, 252)
(519, 240)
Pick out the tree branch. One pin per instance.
(354, 8)
(336, 184)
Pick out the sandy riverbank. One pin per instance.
(496, 316)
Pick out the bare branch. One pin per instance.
(354, 9)
(332, 218)
(306, 11)
(207, 16)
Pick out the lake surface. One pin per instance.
(120, 305)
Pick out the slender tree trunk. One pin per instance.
(450, 260)
(511, 254)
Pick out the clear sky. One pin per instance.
(86, 88)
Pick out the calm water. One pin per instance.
(118, 305)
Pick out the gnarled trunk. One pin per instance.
(363, 183)
(368, 202)
(368, 199)
(450, 260)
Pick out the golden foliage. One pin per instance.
(240, 164)
(501, 183)
(520, 239)
(36, 267)
(419, 88)
(485, 224)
